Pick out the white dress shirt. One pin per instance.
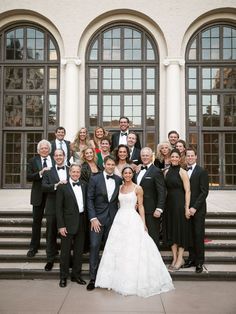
(79, 196)
(48, 161)
(141, 174)
(190, 171)
(123, 138)
(62, 174)
(110, 185)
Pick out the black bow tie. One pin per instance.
(125, 133)
(110, 177)
(189, 168)
(144, 167)
(61, 168)
(76, 183)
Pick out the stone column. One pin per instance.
(174, 119)
(69, 115)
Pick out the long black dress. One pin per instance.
(176, 226)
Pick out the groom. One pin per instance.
(102, 204)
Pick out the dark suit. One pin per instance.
(50, 178)
(115, 141)
(104, 210)
(154, 195)
(199, 185)
(37, 199)
(54, 147)
(68, 215)
(135, 156)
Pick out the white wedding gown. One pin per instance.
(131, 263)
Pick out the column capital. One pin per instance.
(70, 60)
(174, 61)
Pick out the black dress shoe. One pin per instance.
(48, 266)
(199, 269)
(188, 264)
(63, 283)
(79, 280)
(91, 285)
(31, 252)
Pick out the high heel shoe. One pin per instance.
(171, 266)
(176, 268)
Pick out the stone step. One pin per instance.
(218, 233)
(27, 222)
(220, 223)
(12, 255)
(25, 232)
(221, 215)
(31, 270)
(28, 214)
(23, 243)
(17, 221)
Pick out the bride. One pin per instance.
(131, 263)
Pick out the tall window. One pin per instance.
(211, 101)
(123, 76)
(29, 74)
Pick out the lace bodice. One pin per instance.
(128, 200)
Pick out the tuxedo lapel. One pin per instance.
(115, 191)
(71, 191)
(83, 192)
(195, 170)
(38, 162)
(147, 173)
(55, 174)
(103, 185)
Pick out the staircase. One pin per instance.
(15, 233)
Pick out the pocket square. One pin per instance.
(149, 178)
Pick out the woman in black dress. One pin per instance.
(177, 214)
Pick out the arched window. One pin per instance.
(29, 74)
(123, 76)
(211, 101)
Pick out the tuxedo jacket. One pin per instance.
(135, 157)
(33, 168)
(199, 186)
(67, 210)
(54, 147)
(154, 189)
(50, 178)
(98, 204)
(115, 141)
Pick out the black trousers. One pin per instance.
(51, 237)
(38, 212)
(197, 248)
(96, 240)
(77, 240)
(153, 225)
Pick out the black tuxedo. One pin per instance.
(135, 156)
(50, 178)
(154, 195)
(68, 215)
(54, 147)
(115, 141)
(199, 185)
(37, 199)
(104, 210)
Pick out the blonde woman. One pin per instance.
(80, 142)
(162, 160)
(98, 134)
